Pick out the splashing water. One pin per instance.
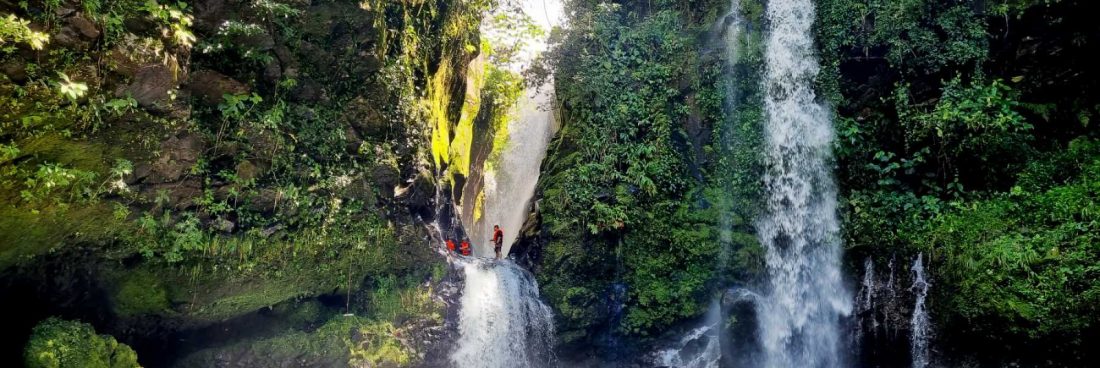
(800, 313)
(919, 324)
(502, 322)
(700, 348)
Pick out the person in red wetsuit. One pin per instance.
(450, 245)
(465, 247)
(498, 239)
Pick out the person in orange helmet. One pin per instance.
(465, 247)
(450, 245)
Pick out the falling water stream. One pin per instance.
(919, 324)
(800, 313)
(502, 322)
(510, 181)
(865, 304)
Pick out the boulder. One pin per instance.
(210, 86)
(209, 14)
(179, 195)
(85, 27)
(263, 200)
(366, 117)
(177, 156)
(76, 32)
(15, 70)
(385, 176)
(289, 64)
(150, 87)
(418, 195)
(143, 25)
(261, 142)
(308, 90)
(223, 225)
(247, 171)
(273, 72)
(316, 56)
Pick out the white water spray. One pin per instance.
(502, 322)
(800, 314)
(919, 325)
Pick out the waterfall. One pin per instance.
(919, 324)
(510, 181)
(865, 303)
(800, 314)
(510, 185)
(502, 322)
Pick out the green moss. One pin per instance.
(81, 155)
(28, 232)
(221, 301)
(301, 313)
(344, 340)
(58, 343)
(464, 131)
(140, 293)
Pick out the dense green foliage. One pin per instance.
(58, 343)
(1027, 260)
(223, 157)
(957, 137)
(638, 177)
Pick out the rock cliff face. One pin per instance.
(255, 160)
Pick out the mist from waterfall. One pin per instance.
(800, 312)
(920, 325)
(502, 321)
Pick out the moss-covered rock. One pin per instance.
(57, 343)
(140, 292)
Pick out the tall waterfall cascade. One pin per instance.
(502, 321)
(920, 325)
(510, 186)
(801, 311)
(509, 183)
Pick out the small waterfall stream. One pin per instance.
(920, 325)
(800, 314)
(865, 304)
